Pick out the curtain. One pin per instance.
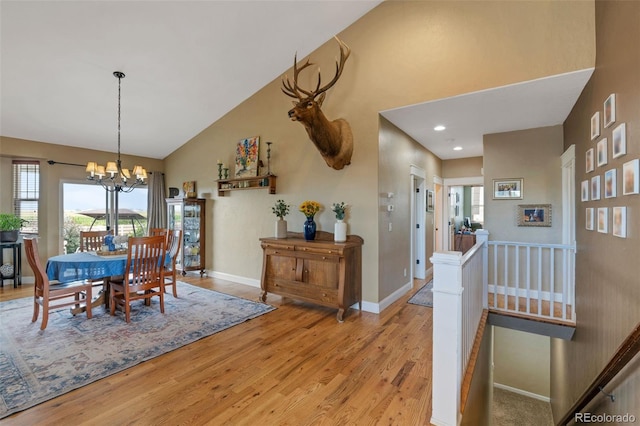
(156, 207)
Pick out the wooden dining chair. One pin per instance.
(174, 241)
(92, 240)
(53, 294)
(143, 276)
(158, 231)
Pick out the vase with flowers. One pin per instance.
(340, 227)
(309, 209)
(281, 209)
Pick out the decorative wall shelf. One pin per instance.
(253, 182)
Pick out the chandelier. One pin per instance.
(113, 177)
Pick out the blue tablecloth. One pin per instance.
(81, 266)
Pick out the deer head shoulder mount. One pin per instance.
(332, 138)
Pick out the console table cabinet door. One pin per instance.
(318, 271)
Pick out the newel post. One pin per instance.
(482, 236)
(447, 337)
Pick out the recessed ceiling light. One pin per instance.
(439, 128)
(457, 148)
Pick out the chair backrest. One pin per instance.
(174, 240)
(158, 231)
(92, 240)
(31, 250)
(145, 260)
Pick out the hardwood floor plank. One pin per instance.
(294, 366)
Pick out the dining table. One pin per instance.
(88, 266)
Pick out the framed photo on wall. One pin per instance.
(610, 184)
(610, 110)
(584, 189)
(603, 220)
(631, 177)
(508, 189)
(595, 188)
(601, 149)
(589, 163)
(619, 143)
(595, 125)
(534, 214)
(620, 222)
(588, 218)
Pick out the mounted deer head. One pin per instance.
(332, 138)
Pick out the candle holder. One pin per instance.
(219, 170)
(226, 173)
(269, 158)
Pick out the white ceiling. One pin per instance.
(538, 103)
(187, 63)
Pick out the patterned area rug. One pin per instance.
(424, 296)
(36, 365)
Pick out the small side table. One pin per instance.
(16, 249)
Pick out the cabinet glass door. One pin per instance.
(191, 234)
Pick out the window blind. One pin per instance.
(26, 193)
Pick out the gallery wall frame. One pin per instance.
(610, 110)
(619, 226)
(508, 189)
(595, 125)
(631, 177)
(619, 141)
(533, 214)
(603, 220)
(588, 218)
(610, 184)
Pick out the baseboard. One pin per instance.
(522, 392)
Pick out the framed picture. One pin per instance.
(631, 177)
(595, 188)
(507, 189)
(619, 143)
(589, 163)
(534, 214)
(619, 228)
(584, 190)
(603, 219)
(588, 218)
(247, 157)
(595, 125)
(189, 189)
(610, 184)
(429, 200)
(610, 110)
(601, 149)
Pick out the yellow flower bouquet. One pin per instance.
(309, 208)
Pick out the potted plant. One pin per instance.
(10, 226)
(309, 209)
(281, 209)
(340, 227)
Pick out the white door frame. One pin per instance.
(418, 208)
(448, 183)
(438, 206)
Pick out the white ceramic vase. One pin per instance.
(281, 228)
(340, 231)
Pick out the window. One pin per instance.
(477, 204)
(26, 193)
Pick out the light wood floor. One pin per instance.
(293, 366)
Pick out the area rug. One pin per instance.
(424, 296)
(71, 352)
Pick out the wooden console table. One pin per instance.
(320, 271)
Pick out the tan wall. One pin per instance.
(402, 53)
(533, 155)
(51, 178)
(462, 167)
(607, 290)
(397, 153)
(521, 360)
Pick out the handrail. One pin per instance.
(625, 353)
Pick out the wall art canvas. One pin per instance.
(507, 189)
(247, 157)
(589, 163)
(619, 228)
(534, 215)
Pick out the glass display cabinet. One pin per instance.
(188, 214)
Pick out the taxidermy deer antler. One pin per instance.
(332, 138)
